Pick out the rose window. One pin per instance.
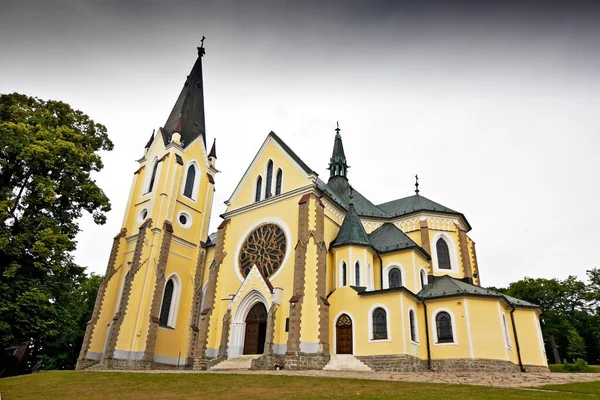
(265, 247)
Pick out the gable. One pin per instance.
(295, 173)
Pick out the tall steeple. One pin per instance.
(187, 117)
(337, 163)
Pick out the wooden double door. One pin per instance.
(256, 330)
(343, 334)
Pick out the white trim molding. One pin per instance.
(468, 321)
(387, 321)
(188, 217)
(434, 327)
(238, 323)
(422, 277)
(454, 266)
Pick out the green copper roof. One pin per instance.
(411, 204)
(352, 231)
(388, 238)
(446, 286)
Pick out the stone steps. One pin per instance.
(238, 363)
(345, 362)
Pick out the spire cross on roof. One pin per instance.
(201, 48)
(417, 184)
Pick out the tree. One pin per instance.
(576, 346)
(48, 152)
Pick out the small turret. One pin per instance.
(338, 166)
(212, 156)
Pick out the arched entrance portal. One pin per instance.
(343, 334)
(256, 329)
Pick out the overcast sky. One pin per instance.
(494, 105)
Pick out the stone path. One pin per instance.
(490, 379)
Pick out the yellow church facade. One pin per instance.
(301, 272)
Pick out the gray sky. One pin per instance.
(494, 105)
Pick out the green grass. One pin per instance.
(127, 386)
(583, 387)
(561, 368)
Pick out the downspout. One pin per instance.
(380, 272)
(512, 318)
(427, 338)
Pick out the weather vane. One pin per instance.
(417, 184)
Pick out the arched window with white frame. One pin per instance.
(443, 254)
(379, 324)
(444, 332)
(258, 189)
(170, 302)
(394, 278)
(423, 275)
(506, 334)
(278, 181)
(269, 179)
(153, 176)
(412, 320)
(357, 273)
(344, 274)
(190, 187)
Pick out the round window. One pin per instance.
(184, 219)
(265, 247)
(143, 215)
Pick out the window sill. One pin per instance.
(446, 344)
(379, 340)
(169, 328)
(413, 342)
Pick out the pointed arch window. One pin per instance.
(413, 326)
(269, 179)
(258, 189)
(165, 309)
(506, 334)
(357, 273)
(278, 180)
(443, 254)
(344, 274)
(190, 181)
(443, 324)
(395, 278)
(152, 177)
(379, 324)
(423, 278)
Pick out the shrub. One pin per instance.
(580, 365)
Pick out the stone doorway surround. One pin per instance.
(238, 325)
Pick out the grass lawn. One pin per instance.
(126, 386)
(561, 368)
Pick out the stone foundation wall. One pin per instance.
(301, 360)
(86, 364)
(267, 361)
(469, 365)
(203, 364)
(394, 362)
(537, 369)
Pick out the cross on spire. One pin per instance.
(417, 184)
(201, 51)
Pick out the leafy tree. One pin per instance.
(48, 152)
(576, 346)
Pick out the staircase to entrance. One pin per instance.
(239, 363)
(345, 362)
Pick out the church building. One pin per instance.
(303, 272)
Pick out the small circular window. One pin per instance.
(184, 219)
(143, 215)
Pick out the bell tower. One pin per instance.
(142, 313)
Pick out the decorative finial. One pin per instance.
(417, 184)
(337, 129)
(201, 51)
(351, 195)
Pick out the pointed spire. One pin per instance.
(150, 140)
(417, 184)
(337, 163)
(213, 150)
(352, 231)
(187, 116)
